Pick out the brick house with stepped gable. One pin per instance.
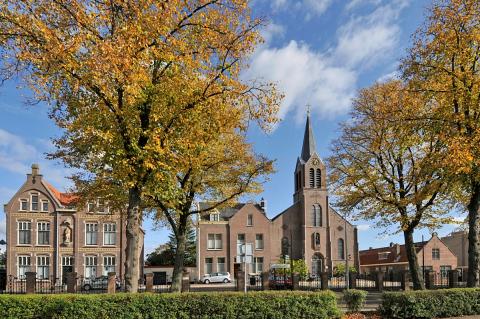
(49, 235)
(309, 229)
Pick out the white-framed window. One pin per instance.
(259, 241)
(91, 207)
(249, 220)
(383, 255)
(214, 241)
(34, 201)
(108, 264)
(44, 205)
(43, 233)
(101, 206)
(23, 204)
(24, 232)
(90, 266)
(24, 263)
(221, 264)
(109, 234)
(208, 265)
(214, 217)
(68, 261)
(258, 264)
(43, 267)
(91, 233)
(240, 243)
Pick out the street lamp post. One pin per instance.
(345, 255)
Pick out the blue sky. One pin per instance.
(320, 52)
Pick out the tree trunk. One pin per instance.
(132, 271)
(473, 236)
(179, 256)
(417, 279)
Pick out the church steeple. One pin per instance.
(309, 146)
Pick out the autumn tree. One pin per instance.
(381, 168)
(134, 85)
(443, 64)
(218, 170)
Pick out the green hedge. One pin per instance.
(431, 303)
(267, 304)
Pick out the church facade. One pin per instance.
(309, 229)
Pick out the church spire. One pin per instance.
(308, 147)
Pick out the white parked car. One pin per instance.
(216, 277)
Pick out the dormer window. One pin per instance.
(383, 255)
(214, 217)
(101, 206)
(24, 204)
(44, 205)
(91, 207)
(34, 202)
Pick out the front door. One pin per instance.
(65, 271)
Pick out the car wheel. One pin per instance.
(87, 287)
(226, 281)
(206, 281)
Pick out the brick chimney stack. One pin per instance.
(35, 169)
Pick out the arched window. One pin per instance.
(317, 215)
(312, 178)
(319, 178)
(341, 249)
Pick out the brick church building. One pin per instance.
(309, 229)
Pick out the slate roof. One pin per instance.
(308, 147)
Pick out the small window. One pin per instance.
(319, 178)
(35, 202)
(259, 241)
(44, 205)
(250, 220)
(383, 255)
(101, 206)
(24, 204)
(258, 264)
(435, 253)
(91, 207)
(214, 217)
(312, 178)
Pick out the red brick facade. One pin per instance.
(47, 234)
(309, 229)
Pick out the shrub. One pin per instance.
(278, 305)
(355, 299)
(431, 303)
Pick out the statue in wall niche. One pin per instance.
(67, 231)
(67, 235)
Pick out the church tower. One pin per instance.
(311, 199)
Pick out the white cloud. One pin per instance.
(363, 227)
(273, 31)
(305, 77)
(357, 3)
(310, 8)
(328, 80)
(368, 39)
(17, 155)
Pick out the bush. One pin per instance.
(278, 305)
(355, 299)
(431, 303)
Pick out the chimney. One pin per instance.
(391, 245)
(263, 205)
(35, 169)
(397, 249)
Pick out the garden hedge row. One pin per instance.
(278, 305)
(431, 303)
